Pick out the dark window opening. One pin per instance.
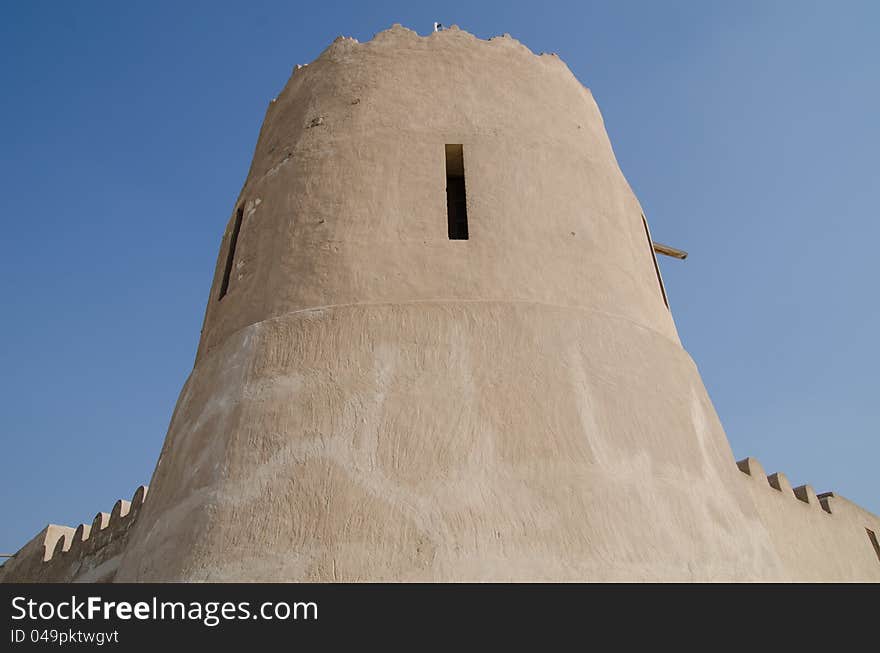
(873, 538)
(654, 258)
(456, 199)
(230, 256)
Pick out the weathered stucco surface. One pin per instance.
(374, 401)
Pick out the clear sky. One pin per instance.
(748, 130)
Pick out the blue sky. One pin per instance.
(749, 131)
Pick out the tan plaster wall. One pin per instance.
(447, 441)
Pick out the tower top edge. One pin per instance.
(398, 34)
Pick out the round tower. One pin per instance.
(437, 347)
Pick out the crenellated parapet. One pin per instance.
(818, 537)
(89, 552)
(779, 482)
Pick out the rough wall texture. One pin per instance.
(374, 401)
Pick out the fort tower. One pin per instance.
(437, 347)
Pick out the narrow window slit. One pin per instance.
(456, 199)
(230, 256)
(873, 537)
(654, 258)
